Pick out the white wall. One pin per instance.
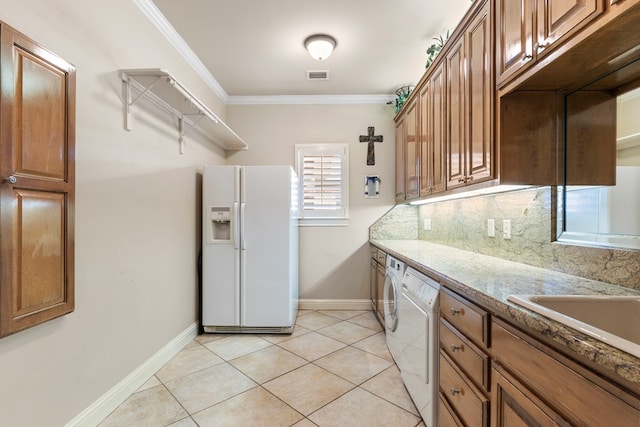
(136, 217)
(334, 261)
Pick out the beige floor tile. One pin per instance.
(304, 312)
(316, 320)
(267, 364)
(256, 408)
(353, 365)
(342, 314)
(361, 408)
(150, 383)
(312, 346)
(375, 344)
(237, 345)
(368, 320)
(346, 332)
(206, 338)
(308, 388)
(151, 407)
(188, 361)
(278, 338)
(389, 386)
(185, 422)
(304, 423)
(209, 386)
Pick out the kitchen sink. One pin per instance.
(612, 319)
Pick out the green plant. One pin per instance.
(435, 48)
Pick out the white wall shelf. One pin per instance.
(161, 88)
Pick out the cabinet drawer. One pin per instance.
(446, 416)
(575, 397)
(382, 257)
(469, 358)
(467, 401)
(465, 316)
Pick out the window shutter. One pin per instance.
(322, 170)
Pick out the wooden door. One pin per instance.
(436, 116)
(456, 131)
(478, 55)
(426, 151)
(37, 131)
(400, 160)
(412, 166)
(512, 405)
(514, 36)
(558, 17)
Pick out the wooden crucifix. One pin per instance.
(371, 138)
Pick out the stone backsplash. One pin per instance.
(462, 224)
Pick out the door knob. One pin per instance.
(11, 179)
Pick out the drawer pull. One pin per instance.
(455, 311)
(455, 390)
(455, 347)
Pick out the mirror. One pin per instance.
(607, 215)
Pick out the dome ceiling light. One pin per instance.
(320, 46)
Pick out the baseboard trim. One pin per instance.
(334, 304)
(102, 407)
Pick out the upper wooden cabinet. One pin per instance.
(433, 123)
(470, 94)
(37, 183)
(528, 29)
(411, 146)
(400, 158)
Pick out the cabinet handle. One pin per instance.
(541, 46)
(455, 311)
(527, 57)
(460, 179)
(11, 179)
(455, 390)
(455, 347)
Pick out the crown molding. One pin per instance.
(309, 99)
(152, 12)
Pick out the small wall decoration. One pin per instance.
(370, 138)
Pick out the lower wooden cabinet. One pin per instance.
(446, 416)
(468, 401)
(511, 406)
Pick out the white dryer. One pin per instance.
(411, 326)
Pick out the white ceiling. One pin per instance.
(254, 48)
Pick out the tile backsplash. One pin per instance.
(462, 224)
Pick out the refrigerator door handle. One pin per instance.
(236, 226)
(242, 243)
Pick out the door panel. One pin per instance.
(37, 183)
(457, 122)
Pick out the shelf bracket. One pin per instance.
(130, 102)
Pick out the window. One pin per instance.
(323, 171)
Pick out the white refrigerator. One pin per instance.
(249, 249)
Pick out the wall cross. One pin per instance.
(370, 138)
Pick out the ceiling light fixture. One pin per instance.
(320, 46)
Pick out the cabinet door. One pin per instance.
(412, 169)
(478, 55)
(400, 160)
(514, 36)
(456, 133)
(438, 128)
(373, 289)
(513, 406)
(380, 292)
(426, 142)
(37, 135)
(558, 17)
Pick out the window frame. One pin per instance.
(324, 217)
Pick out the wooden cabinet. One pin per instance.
(37, 187)
(470, 94)
(411, 159)
(528, 29)
(433, 123)
(464, 361)
(400, 171)
(545, 384)
(511, 407)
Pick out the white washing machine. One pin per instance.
(393, 276)
(411, 325)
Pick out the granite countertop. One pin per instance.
(489, 281)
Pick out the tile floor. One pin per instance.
(334, 370)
